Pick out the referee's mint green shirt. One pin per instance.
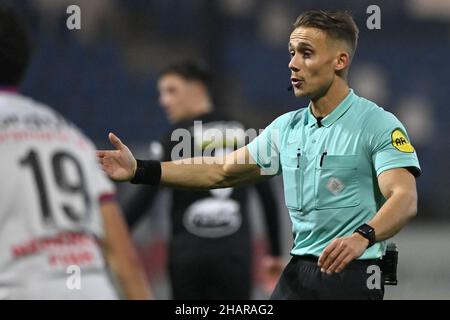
(330, 172)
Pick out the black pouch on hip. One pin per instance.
(388, 264)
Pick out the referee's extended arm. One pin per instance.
(233, 169)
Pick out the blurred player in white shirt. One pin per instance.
(61, 231)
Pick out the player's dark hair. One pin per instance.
(15, 48)
(337, 24)
(189, 70)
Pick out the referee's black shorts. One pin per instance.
(303, 280)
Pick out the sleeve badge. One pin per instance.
(400, 141)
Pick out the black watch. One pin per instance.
(367, 232)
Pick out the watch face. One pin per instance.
(368, 232)
(366, 229)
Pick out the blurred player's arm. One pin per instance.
(272, 265)
(233, 169)
(121, 254)
(138, 204)
(271, 216)
(144, 196)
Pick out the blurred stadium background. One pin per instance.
(103, 79)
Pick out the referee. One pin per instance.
(348, 168)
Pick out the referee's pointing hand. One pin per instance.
(119, 164)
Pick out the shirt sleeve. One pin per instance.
(265, 148)
(390, 146)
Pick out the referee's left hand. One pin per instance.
(341, 251)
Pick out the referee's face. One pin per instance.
(313, 62)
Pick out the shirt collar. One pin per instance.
(337, 112)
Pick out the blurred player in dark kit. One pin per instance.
(210, 248)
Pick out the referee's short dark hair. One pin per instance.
(336, 24)
(190, 70)
(15, 48)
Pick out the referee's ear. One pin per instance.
(342, 62)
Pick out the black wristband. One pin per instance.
(147, 172)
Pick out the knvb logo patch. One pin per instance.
(335, 186)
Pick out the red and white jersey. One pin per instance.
(51, 188)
